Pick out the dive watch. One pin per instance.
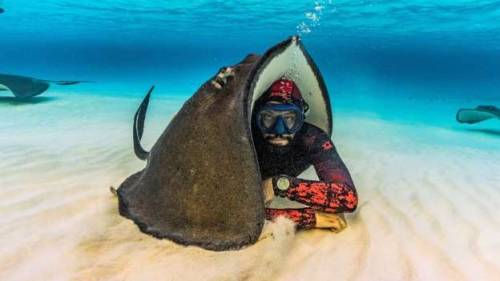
(281, 184)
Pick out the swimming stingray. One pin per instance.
(27, 87)
(202, 185)
(478, 114)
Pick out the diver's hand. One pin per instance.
(335, 222)
(267, 188)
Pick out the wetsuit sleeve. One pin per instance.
(303, 218)
(335, 191)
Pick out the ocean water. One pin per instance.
(444, 52)
(397, 72)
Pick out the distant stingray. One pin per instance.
(2, 10)
(478, 114)
(27, 87)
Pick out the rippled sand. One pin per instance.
(428, 210)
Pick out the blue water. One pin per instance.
(393, 58)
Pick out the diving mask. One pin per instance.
(280, 119)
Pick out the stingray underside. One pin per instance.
(202, 184)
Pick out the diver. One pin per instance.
(286, 146)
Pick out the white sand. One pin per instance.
(428, 210)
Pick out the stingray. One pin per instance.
(201, 184)
(478, 114)
(27, 87)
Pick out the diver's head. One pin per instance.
(280, 112)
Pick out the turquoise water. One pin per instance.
(395, 59)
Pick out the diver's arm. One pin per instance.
(324, 196)
(304, 218)
(307, 218)
(334, 192)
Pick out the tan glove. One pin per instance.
(335, 222)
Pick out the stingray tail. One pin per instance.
(139, 117)
(66, 82)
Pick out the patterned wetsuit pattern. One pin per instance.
(333, 193)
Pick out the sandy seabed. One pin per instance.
(429, 200)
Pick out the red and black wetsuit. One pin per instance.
(333, 193)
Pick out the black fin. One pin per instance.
(139, 117)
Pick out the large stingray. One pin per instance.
(27, 87)
(478, 114)
(202, 185)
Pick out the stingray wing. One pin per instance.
(23, 87)
(478, 114)
(201, 185)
